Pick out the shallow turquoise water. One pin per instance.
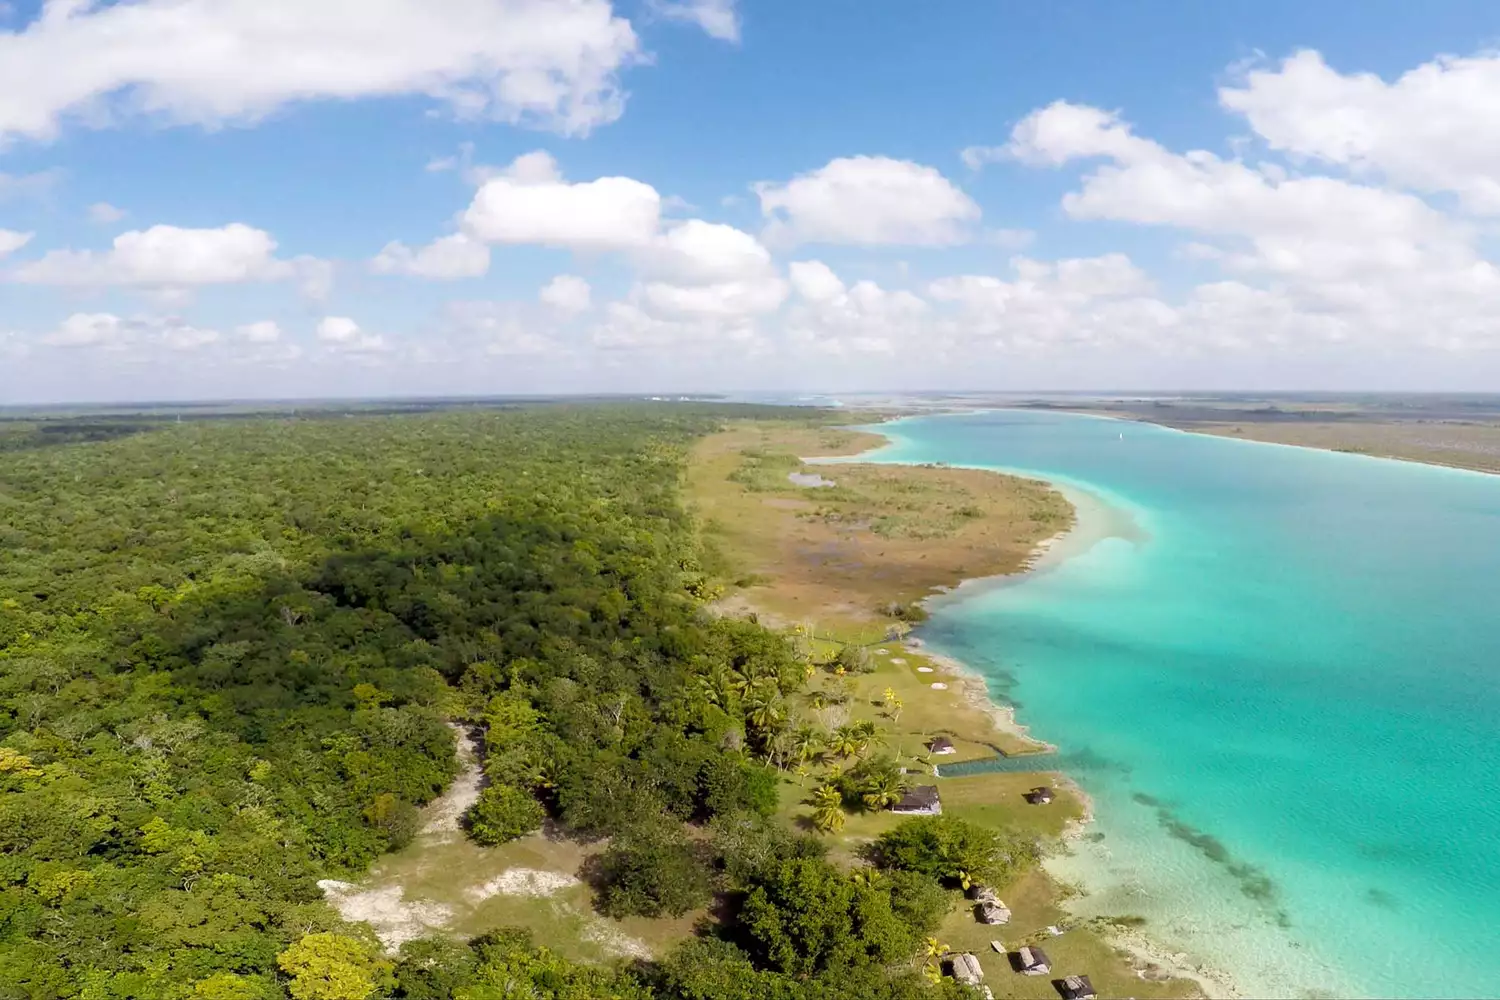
(1291, 652)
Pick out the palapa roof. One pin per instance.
(992, 911)
(1078, 988)
(920, 797)
(966, 968)
(1033, 957)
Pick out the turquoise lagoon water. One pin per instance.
(1276, 671)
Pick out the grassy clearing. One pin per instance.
(882, 534)
(451, 885)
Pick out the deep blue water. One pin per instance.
(1294, 653)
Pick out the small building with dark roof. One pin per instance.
(920, 801)
(941, 745)
(1034, 961)
(1076, 988)
(1039, 796)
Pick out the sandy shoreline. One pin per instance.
(1094, 519)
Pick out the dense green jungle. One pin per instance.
(234, 655)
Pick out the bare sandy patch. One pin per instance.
(522, 882)
(445, 814)
(394, 919)
(616, 941)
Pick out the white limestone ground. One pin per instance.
(394, 919)
(523, 882)
(445, 815)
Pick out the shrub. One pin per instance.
(502, 814)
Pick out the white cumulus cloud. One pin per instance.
(11, 241)
(531, 203)
(344, 334)
(165, 256)
(87, 330)
(549, 63)
(566, 293)
(264, 331)
(868, 201)
(103, 213)
(447, 258)
(1435, 128)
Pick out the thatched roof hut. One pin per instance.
(1076, 988)
(1034, 961)
(922, 800)
(993, 912)
(966, 969)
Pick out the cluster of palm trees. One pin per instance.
(762, 691)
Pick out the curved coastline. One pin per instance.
(1095, 518)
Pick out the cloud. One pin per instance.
(344, 334)
(185, 337)
(975, 157)
(27, 185)
(262, 332)
(11, 241)
(701, 252)
(513, 330)
(448, 258)
(868, 201)
(88, 330)
(833, 318)
(165, 256)
(567, 293)
(815, 281)
(1436, 128)
(718, 18)
(338, 329)
(1304, 227)
(107, 331)
(547, 63)
(104, 213)
(531, 203)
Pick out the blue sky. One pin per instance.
(198, 200)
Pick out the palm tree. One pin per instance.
(846, 742)
(935, 950)
(868, 877)
(895, 706)
(828, 809)
(806, 744)
(882, 790)
(764, 712)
